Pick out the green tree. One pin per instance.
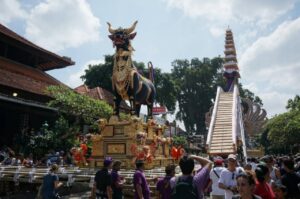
(179, 140)
(100, 74)
(294, 104)
(86, 110)
(197, 82)
(59, 137)
(281, 133)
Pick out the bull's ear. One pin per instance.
(111, 37)
(131, 36)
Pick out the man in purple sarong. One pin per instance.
(140, 184)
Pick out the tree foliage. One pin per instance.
(59, 137)
(197, 81)
(85, 109)
(294, 104)
(100, 74)
(282, 130)
(179, 141)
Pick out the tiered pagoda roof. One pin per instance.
(230, 63)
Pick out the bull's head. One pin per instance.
(121, 37)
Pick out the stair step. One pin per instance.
(225, 131)
(222, 133)
(221, 151)
(226, 144)
(221, 112)
(222, 138)
(221, 147)
(223, 123)
(223, 119)
(220, 144)
(222, 127)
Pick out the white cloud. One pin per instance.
(272, 64)
(262, 12)
(216, 31)
(212, 10)
(275, 102)
(10, 10)
(74, 79)
(60, 24)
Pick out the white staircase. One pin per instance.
(221, 135)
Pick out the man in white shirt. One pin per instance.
(215, 174)
(227, 179)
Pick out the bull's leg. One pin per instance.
(135, 90)
(132, 105)
(137, 109)
(117, 101)
(150, 107)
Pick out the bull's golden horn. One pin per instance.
(112, 31)
(129, 30)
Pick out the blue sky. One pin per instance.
(266, 34)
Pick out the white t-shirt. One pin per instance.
(215, 181)
(228, 178)
(254, 165)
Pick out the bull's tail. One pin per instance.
(151, 71)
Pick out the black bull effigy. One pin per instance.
(127, 83)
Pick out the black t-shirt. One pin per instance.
(103, 179)
(291, 181)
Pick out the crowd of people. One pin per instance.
(108, 185)
(265, 178)
(8, 157)
(268, 177)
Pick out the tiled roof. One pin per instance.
(47, 59)
(24, 77)
(100, 94)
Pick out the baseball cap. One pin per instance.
(218, 162)
(107, 161)
(231, 156)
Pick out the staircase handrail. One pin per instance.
(234, 114)
(242, 128)
(213, 117)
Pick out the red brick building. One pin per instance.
(22, 85)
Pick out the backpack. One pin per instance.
(103, 179)
(184, 189)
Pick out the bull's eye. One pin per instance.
(125, 58)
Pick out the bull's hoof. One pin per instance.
(114, 119)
